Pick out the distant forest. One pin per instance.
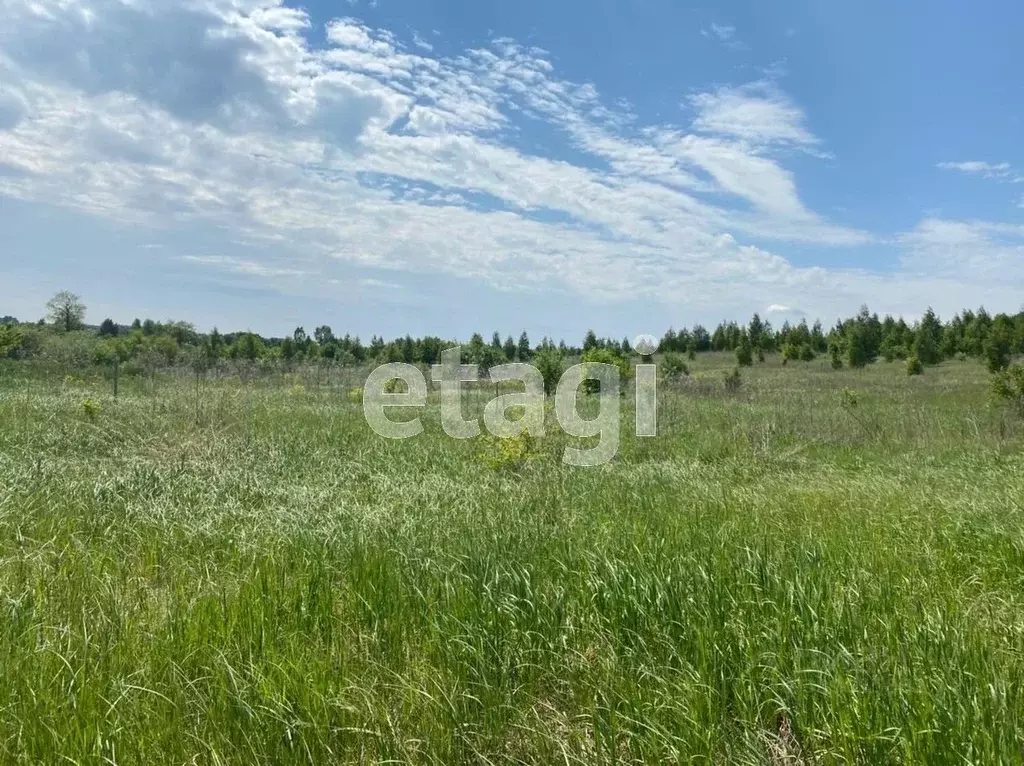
(853, 342)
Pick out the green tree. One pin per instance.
(925, 348)
(998, 346)
(108, 328)
(248, 346)
(288, 349)
(858, 345)
(835, 353)
(11, 340)
(604, 356)
(523, 352)
(323, 335)
(744, 352)
(549, 363)
(509, 348)
(66, 311)
(928, 338)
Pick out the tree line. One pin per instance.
(853, 342)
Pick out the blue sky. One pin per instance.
(389, 166)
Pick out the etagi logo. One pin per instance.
(451, 374)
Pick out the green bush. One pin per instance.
(11, 340)
(914, 366)
(835, 352)
(803, 353)
(604, 356)
(549, 363)
(998, 349)
(1008, 387)
(509, 454)
(673, 367)
(744, 353)
(733, 380)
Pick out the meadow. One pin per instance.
(825, 566)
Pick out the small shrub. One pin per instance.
(691, 352)
(849, 399)
(91, 408)
(789, 352)
(604, 356)
(835, 353)
(914, 366)
(733, 380)
(1008, 387)
(673, 367)
(356, 396)
(297, 390)
(396, 386)
(760, 355)
(508, 454)
(803, 353)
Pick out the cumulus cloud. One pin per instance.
(373, 150)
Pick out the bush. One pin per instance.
(1008, 387)
(673, 367)
(508, 454)
(998, 349)
(356, 396)
(914, 366)
(549, 363)
(858, 347)
(803, 353)
(604, 356)
(733, 380)
(91, 409)
(835, 354)
(744, 353)
(11, 340)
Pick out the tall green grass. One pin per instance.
(241, 572)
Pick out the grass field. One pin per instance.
(244, 573)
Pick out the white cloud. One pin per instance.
(242, 266)
(1000, 171)
(758, 112)
(723, 33)
(976, 252)
(777, 308)
(419, 42)
(157, 113)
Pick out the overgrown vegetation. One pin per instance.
(225, 565)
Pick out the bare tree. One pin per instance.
(67, 312)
